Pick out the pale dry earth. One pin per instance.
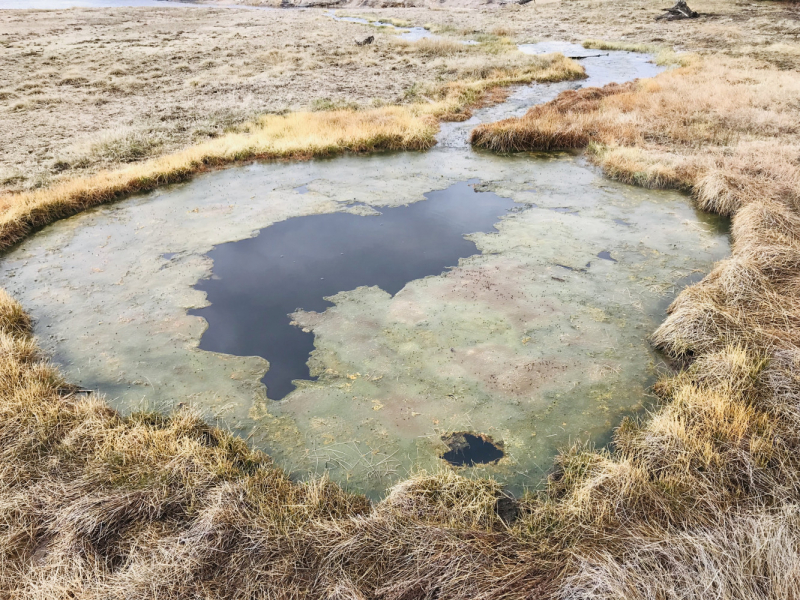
(84, 89)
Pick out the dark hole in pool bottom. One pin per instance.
(467, 449)
(295, 263)
(606, 255)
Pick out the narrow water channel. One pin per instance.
(482, 309)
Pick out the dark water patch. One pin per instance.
(303, 189)
(622, 222)
(468, 449)
(565, 209)
(296, 263)
(169, 255)
(606, 255)
(575, 269)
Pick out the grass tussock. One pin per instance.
(724, 130)
(431, 47)
(95, 505)
(698, 501)
(625, 46)
(662, 55)
(119, 145)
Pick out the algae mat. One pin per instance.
(535, 340)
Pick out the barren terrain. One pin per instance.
(85, 89)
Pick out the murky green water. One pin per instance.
(521, 342)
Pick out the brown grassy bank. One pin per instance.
(715, 467)
(296, 135)
(726, 131)
(699, 501)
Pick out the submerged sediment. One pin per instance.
(508, 341)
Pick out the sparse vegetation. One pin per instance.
(122, 145)
(297, 135)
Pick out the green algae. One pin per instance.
(510, 343)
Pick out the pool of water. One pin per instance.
(468, 449)
(529, 331)
(297, 263)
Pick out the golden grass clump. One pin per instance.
(700, 499)
(626, 46)
(430, 47)
(97, 505)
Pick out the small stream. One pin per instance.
(410, 34)
(402, 308)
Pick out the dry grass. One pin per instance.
(87, 90)
(153, 81)
(296, 135)
(697, 501)
(626, 46)
(94, 505)
(700, 500)
(724, 130)
(472, 81)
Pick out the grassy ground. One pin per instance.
(699, 500)
(86, 90)
(296, 135)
